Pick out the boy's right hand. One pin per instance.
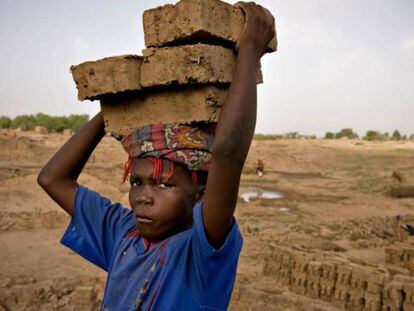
(259, 28)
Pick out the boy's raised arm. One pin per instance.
(236, 126)
(58, 177)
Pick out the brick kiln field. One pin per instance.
(336, 193)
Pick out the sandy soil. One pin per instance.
(336, 199)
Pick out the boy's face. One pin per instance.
(165, 209)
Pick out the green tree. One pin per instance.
(329, 135)
(5, 122)
(373, 135)
(396, 135)
(293, 135)
(26, 122)
(346, 132)
(77, 121)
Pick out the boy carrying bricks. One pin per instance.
(178, 246)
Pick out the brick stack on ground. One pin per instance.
(181, 77)
(335, 279)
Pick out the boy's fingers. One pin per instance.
(246, 9)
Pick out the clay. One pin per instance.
(122, 114)
(191, 21)
(111, 75)
(184, 65)
(188, 64)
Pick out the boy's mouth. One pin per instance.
(143, 219)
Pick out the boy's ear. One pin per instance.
(200, 192)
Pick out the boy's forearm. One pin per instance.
(237, 120)
(70, 159)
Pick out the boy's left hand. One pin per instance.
(259, 28)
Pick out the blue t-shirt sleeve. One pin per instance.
(97, 227)
(213, 270)
(231, 247)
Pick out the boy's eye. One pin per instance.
(135, 183)
(165, 186)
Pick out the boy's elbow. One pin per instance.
(44, 180)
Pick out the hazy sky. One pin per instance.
(341, 63)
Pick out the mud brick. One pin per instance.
(359, 278)
(341, 295)
(287, 261)
(188, 64)
(375, 282)
(397, 270)
(409, 292)
(273, 263)
(124, 113)
(356, 299)
(344, 273)
(391, 305)
(314, 271)
(284, 276)
(192, 21)
(313, 289)
(300, 263)
(403, 279)
(327, 289)
(373, 301)
(107, 76)
(393, 294)
(408, 306)
(408, 255)
(328, 271)
(298, 282)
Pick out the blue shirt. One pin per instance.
(183, 272)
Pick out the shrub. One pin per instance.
(329, 135)
(373, 135)
(346, 132)
(267, 136)
(52, 123)
(396, 135)
(5, 122)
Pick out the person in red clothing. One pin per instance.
(260, 167)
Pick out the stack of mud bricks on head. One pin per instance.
(181, 77)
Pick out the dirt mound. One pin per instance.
(402, 192)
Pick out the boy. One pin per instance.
(178, 246)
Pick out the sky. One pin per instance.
(340, 63)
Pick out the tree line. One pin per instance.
(346, 133)
(52, 123)
(369, 135)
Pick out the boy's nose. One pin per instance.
(144, 200)
(145, 196)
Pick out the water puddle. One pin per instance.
(257, 193)
(284, 209)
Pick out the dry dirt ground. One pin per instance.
(336, 199)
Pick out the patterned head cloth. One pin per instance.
(188, 145)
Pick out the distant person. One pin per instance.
(260, 167)
(178, 246)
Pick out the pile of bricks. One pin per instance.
(401, 254)
(181, 77)
(343, 283)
